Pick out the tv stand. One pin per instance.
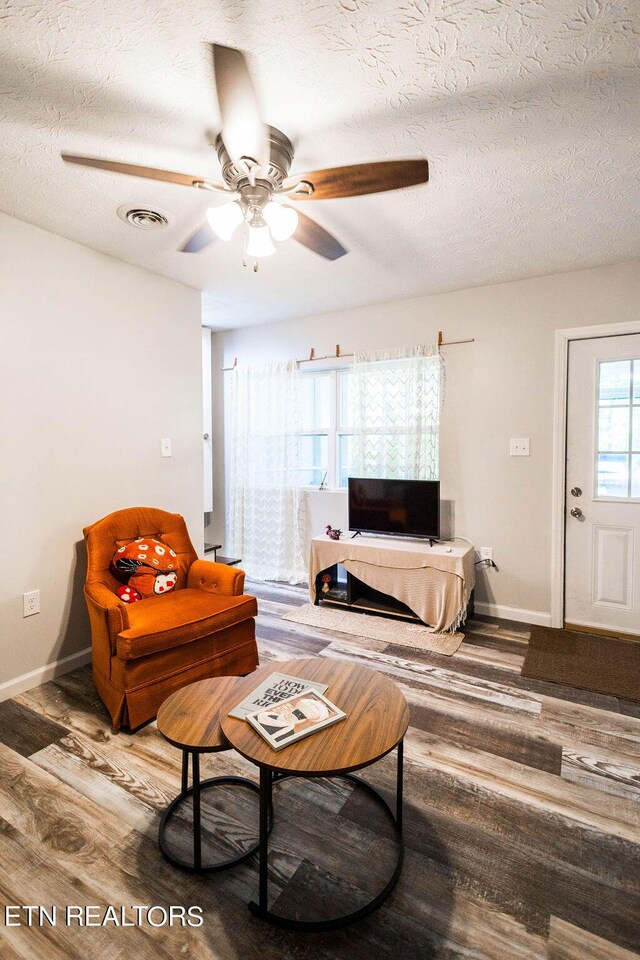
(358, 533)
(395, 577)
(361, 598)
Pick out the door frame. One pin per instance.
(562, 340)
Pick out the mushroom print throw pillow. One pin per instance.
(146, 568)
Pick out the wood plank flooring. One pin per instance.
(522, 814)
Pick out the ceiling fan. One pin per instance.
(256, 160)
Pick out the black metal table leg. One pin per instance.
(266, 782)
(261, 909)
(195, 791)
(185, 771)
(197, 837)
(399, 785)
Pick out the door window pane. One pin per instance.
(613, 475)
(635, 475)
(618, 428)
(613, 428)
(615, 382)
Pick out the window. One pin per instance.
(618, 429)
(325, 443)
(379, 417)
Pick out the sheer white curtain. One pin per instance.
(395, 399)
(266, 525)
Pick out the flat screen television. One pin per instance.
(408, 508)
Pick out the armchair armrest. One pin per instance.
(108, 616)
(215, 578)
(103, 597)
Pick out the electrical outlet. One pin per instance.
(486, 553)
(165, 447)
(30, 603)
(519, 447)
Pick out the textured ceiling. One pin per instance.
(528, 111)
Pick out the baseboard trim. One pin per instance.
(11, 688)
(512, 613)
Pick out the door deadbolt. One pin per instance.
(576, 512)
(206, 436)
(576, 492)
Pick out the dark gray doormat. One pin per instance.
(600, 664)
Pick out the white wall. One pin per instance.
(98, 361)
(499, 387)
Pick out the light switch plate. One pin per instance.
(519, 447)
(165, 447)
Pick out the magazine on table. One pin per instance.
(294, 718)
(277, 687)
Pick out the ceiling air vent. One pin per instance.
(143, 218)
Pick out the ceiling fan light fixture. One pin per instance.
(281, 220)
(224, 220)
(259, 243)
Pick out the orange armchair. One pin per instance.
(144, 651)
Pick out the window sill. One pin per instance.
(325, 490)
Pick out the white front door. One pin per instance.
(602, 525)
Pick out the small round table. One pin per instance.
(376, 722)
(190, 720)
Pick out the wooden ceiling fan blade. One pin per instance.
(310, 234)
(243, 132)
(359, 179)
(198, 240)
(148, 173)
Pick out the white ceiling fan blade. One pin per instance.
(243, 132)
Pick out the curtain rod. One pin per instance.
(339, 356)
(452, 343)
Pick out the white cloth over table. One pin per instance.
(435, 584)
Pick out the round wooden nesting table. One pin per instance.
(190, 720)
(376, 722)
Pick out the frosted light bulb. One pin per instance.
(224, 220)
(282, 221)
(260, 243)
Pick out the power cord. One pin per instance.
(490, 563)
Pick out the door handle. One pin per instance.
(576, 512)
(206, 436)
